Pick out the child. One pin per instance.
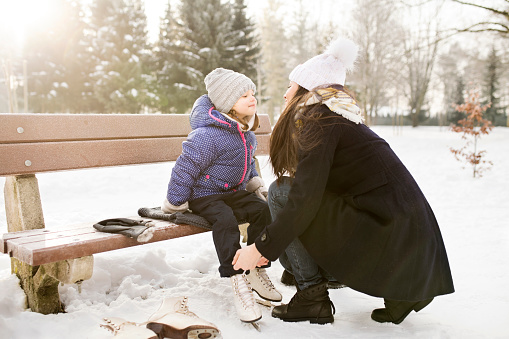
(215, 177)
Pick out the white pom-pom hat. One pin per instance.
(328, 68)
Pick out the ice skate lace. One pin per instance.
(265, 279)
(244, 291)
(183, 309)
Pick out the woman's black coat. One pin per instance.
(362, 217)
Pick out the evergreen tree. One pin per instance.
(247, 49)
(207, 43)
(52, 53)
(458, 99)
(76, 92)
(491, 87)
(205, 35)
(10, 64)
(173, 96)
(120, 52)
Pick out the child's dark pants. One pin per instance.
(224, 211)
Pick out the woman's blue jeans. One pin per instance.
(296, 259)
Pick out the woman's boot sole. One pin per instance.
(321, 321)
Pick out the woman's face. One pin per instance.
(290, 92)
(246, 105)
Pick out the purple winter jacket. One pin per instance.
(216, 158)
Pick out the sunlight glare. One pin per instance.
(17, 16)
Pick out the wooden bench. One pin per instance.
(35, 143)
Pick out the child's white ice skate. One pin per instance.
(261, 284)
(244, 300)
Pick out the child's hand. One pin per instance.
(257, 186)
(167, 207)
(262, 193)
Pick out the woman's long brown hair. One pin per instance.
(288, 136)
(297, 130)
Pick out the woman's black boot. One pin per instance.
(312, 303)
(289, 280)
(396, 311)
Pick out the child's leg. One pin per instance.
(226, 235)
(225, 230)
(247, 206)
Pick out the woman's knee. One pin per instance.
(280, 186)
(278, 192)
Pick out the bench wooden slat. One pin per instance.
(40, 231)
(55, 156)
(40, 234)
(47, 247)
(59, 127)
(17, 159)
(25, 128)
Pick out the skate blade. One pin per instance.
(265, 303)
(256, 326)
(202, 334)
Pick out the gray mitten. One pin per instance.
(167, 207)
(257, 186)
(141, 231)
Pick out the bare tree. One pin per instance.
(421, 47)
(304, 33)
(450, 75)
(380, 53)
(274, 60)
(498, 23)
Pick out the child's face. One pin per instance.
(246, 105)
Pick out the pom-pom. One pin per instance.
(345, 50)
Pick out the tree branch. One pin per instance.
(503, 28)
(504, 13)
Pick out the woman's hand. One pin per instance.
(263, 261)
(247, 258)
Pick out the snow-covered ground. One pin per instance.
(130, 283)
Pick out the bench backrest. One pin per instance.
(33, 143)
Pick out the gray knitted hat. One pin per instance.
(225, 87)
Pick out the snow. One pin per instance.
(134, 58)
(130, 283)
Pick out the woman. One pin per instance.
(352, 209)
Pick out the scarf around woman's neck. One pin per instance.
(337, 101)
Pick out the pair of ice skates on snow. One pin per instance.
(172, 320)
(175, 320)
